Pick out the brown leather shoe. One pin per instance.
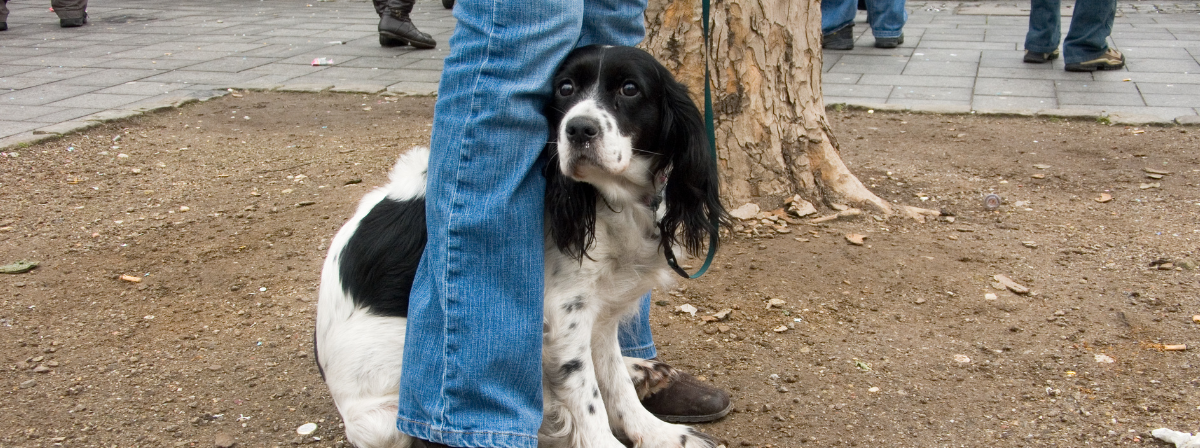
(688, 400)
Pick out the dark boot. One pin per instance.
(73, 22)
(396, 24)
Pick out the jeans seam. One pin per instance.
(451, 252)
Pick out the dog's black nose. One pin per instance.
(582, 129)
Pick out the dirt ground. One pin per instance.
(224, 211)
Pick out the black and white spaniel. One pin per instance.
(629, 177)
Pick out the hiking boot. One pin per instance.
(1110, 60)
(392, 26)
(842, 39)
(74, 22)
(688, 400)
(889, 42)
(1038, 58)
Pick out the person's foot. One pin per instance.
(889, 42)
(3, 26)
(1033, 57)
(397, 28)
(1110, 60)
(448, 4)
(73, 22)
(688, 400)
(842, 39)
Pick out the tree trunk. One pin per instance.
(773, 140)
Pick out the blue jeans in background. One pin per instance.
(1091, 23)
(472, 358)
(886, 17)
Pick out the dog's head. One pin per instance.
(620, 125)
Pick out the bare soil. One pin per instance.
(224, 210)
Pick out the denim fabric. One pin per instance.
(1091, 23)
(886, 17)
(634, 334)
(472, 364)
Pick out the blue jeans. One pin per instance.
(1091, 23)
(887, 17)
(472, 355)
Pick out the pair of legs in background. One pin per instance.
(1086, 47)
(472, 356)
(886, 17)
(71, 13)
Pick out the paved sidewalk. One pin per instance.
(141, 55)
(966, 56)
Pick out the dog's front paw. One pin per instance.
(675, 436)
(649, 376)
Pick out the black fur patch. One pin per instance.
(591, 409)
(574, 305)
(380, 260)
(571, 367)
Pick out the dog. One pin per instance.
(629, 180)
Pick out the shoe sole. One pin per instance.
(415, 44)
(695, 418)
(1039, 60)
(1093, 67)
(838, 46)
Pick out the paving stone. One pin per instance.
(918, 81)
(63, 114)
(956, 94)
(1189, 120)
(1133, 119)
(1012, 103)
(112, 115)
(936, 108)
(414, 88)
(65, 127)
(1072, 113)
(1094, 99)
(856, 90)
(359, 87)
(98, 100)
(23, 138)
(1015, 87)
(305, 87)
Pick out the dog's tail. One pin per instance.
(407, 179)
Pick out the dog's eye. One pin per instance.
(566, 89)
(629, 89)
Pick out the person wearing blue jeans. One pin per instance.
(886, 17)
(472, 356)
(1086, 48)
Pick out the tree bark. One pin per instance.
(773, 140)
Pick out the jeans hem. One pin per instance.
(643, 352)
(886, 34)
(489, 439)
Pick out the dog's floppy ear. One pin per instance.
(693, 197)
(570, 208)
